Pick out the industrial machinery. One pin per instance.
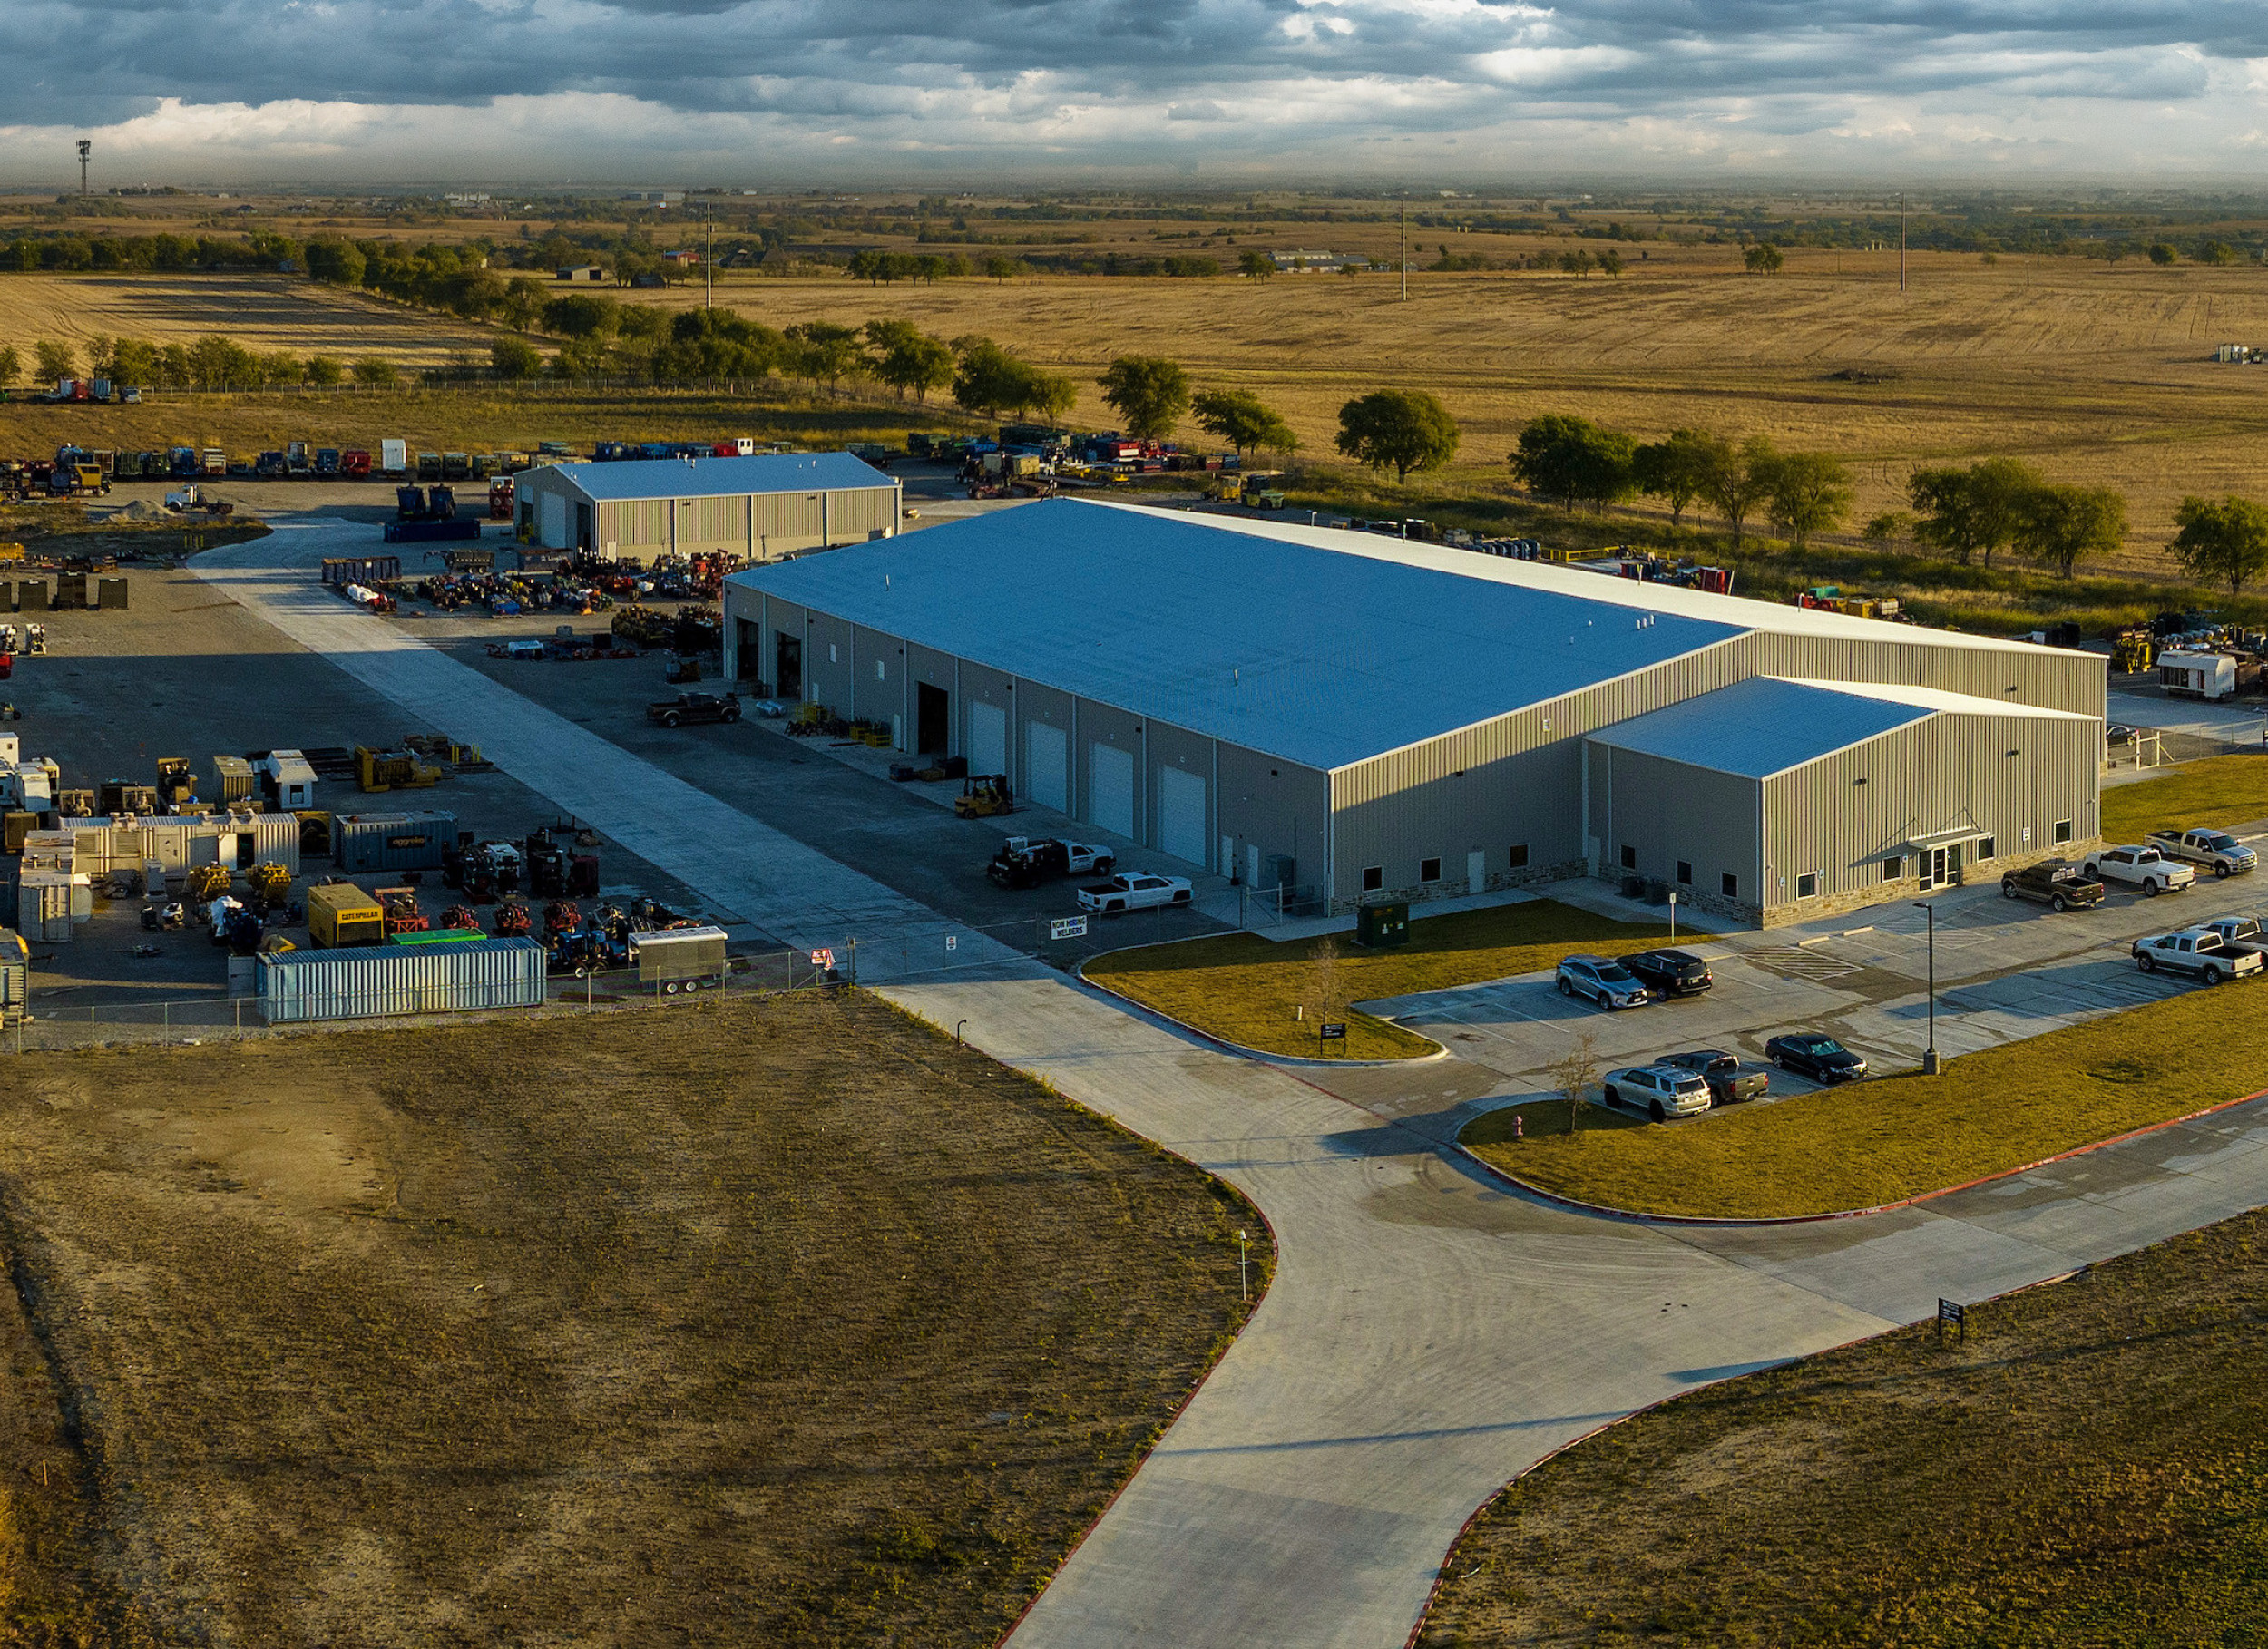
(379, 770)
(983, 795)
(400, 913)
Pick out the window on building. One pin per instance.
(1429, 870)
(1893, 867)
(1629, 857)
(1374, 878)
(1987, 848)
(1732, 885)
(1685, 872)
(2063, 832)
(1807, 885)
(830, 653)
(880, 674)
(1519, 855)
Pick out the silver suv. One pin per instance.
(1605, 981)
(1662, 1091)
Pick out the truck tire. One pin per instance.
(732, 715)
(1658, 1114)
(1565, 988)
(2211, 973)
(2008, 887)
(1181, 896)
(2220, 873)
(1105, 866)
(1612, 1094)
(2146, 962)
(2091, 871)
(671, 720)
(2149, 887)
(2058, 904)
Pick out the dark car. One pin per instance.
(694, 707)
(1729, 1080)
(1821, 1059)
(2054, 883)
(1671, 972)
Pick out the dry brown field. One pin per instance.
(778, 1322)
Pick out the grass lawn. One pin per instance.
(2087, 1469)
(2218, 790)
(1877, 1141)
(1245, 989)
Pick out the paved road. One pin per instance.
(1429, 1336)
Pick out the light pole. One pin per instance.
(1928, 1058)
(1672, 919)
(85, 148)
(1901, 240)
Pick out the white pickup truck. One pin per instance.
(2143, 867)
(2241, 934)
(2214, 850)
(1134, 891)
(2196, 951)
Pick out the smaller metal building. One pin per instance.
(761, 508)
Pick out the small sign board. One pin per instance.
(823, 959)
(1951, 1315)
(1333, 1033)
(953, 942)
(1068, 927)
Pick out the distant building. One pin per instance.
(1305, 262)
(681, 257)
(589, 273)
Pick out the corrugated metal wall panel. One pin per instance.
(854, 517)
(786, 520)
(1668, 813)
(371, 980)
(392, 841)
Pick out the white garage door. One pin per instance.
(988, 739)
(553, 529)
(1046, 781)
(1113, 797)
(1181, 815)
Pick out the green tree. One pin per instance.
(2162, 254)
(280, 369)
(2225, 543)
(2217, 253)
(515, 358)
(1611, 260)
(1397, 429)
(221, 362)
(1243, 419)
(1737, 478)
(522, 303)
(1258, 266)
(1148, 391)
(581, 315)
(1806, 492)
(825, 352)
(340, 262)
(999, 267)
(326, 371)
(917, 363)
(1677, 470)
(10, 365)
(1570, 461)
(1762, 259)
(55, 358)
(1976, 511)
(1886, 529)
(375, 371)
(2060, 526)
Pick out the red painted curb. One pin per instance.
(1608, 1212)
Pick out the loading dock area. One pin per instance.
(1351, 718)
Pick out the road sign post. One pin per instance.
(1334, 1033)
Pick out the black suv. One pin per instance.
(2051, 882)
(693, 707)
(1671, 972)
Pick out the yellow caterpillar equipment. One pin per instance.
(176, 783)
(983, 795)
(377, 770)
(206, 883)
(269, 882)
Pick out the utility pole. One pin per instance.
(708, 258)
(1901, 240)
(1405, 251)
(85, 148)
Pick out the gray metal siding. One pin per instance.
(1102, 724)
(369, 980)
(980, 684)
(854, 517)
(788, 520)
(1949, 772)
(1277, 806)
(879, 697)
(828, 680)
(1192, 752)
(1056, 709)
(1671, 812)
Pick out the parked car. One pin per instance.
(1607, 983)
(1821, 1059)
(1729, 1080)
(2214, 850)
(1022, 862)
(2196, 951)
(2054, 883)
(2143, 867)
(695, 707)
(1671, 972)
(1136, 891)
(2240, 933)
(1662, 1091)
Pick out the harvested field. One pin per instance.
(782, 1322)
(2084, 1468)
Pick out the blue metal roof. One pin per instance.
(1766, 725)
(1307, 653)
(723, 477)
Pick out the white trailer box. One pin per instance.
(393, 456)
(679, 958)
(288, 775)
(2197, 675)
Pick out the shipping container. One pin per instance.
(232, 779)
(393, 456)
(49, 850)
(48, 904)
(300, 986)
(16, 976)
(361, 569)
(341, 915)
(392, 841)
(289, 778)
(679, 957)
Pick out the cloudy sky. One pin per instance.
(767, 91)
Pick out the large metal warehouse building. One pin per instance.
(761, 507)
(1354, 716)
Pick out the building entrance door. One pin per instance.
(787, 673)
(933, 717)
(1934, 869)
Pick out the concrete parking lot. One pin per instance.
(2006, 969)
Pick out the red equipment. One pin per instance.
(512, 921)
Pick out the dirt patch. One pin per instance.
(2085, 1468)
(780, 1321)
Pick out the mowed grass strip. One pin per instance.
(1247, 990)
(1880, 1141)
(2086, 1468)
(2219, 791)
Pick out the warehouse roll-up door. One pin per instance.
(1049, 780)
(1181, 815)
(1113, 798)
(988, 739)
(554, 530)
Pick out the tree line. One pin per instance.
(214, 362)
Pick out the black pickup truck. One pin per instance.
(694, 707)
